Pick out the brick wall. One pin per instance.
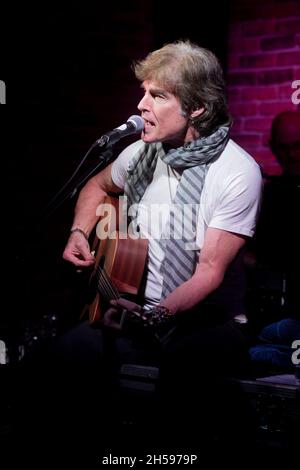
(263, 63)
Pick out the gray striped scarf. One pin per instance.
(193, 159)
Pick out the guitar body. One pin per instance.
(119, 267)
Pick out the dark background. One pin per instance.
(68, 78)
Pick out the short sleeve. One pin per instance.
(238, 206)
(120, 165)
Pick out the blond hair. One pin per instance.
(194, 75)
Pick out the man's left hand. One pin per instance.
(113, 315)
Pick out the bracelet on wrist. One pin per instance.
(158, 315)
(163, 310)
(79, 230)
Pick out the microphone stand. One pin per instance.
(30, 334)
(70, 192)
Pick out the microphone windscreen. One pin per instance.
(137, 121)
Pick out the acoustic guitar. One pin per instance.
(119, 266)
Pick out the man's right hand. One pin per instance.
(77, 251)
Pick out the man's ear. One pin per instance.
(197, 112)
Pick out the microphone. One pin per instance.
(134, 125)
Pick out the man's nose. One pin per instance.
(143, 104)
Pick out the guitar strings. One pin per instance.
(113, 289)
(104, 285)
(108, 289)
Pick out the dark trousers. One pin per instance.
(73, 389)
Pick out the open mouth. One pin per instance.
(148, 124)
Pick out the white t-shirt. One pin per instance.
(229, 201)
